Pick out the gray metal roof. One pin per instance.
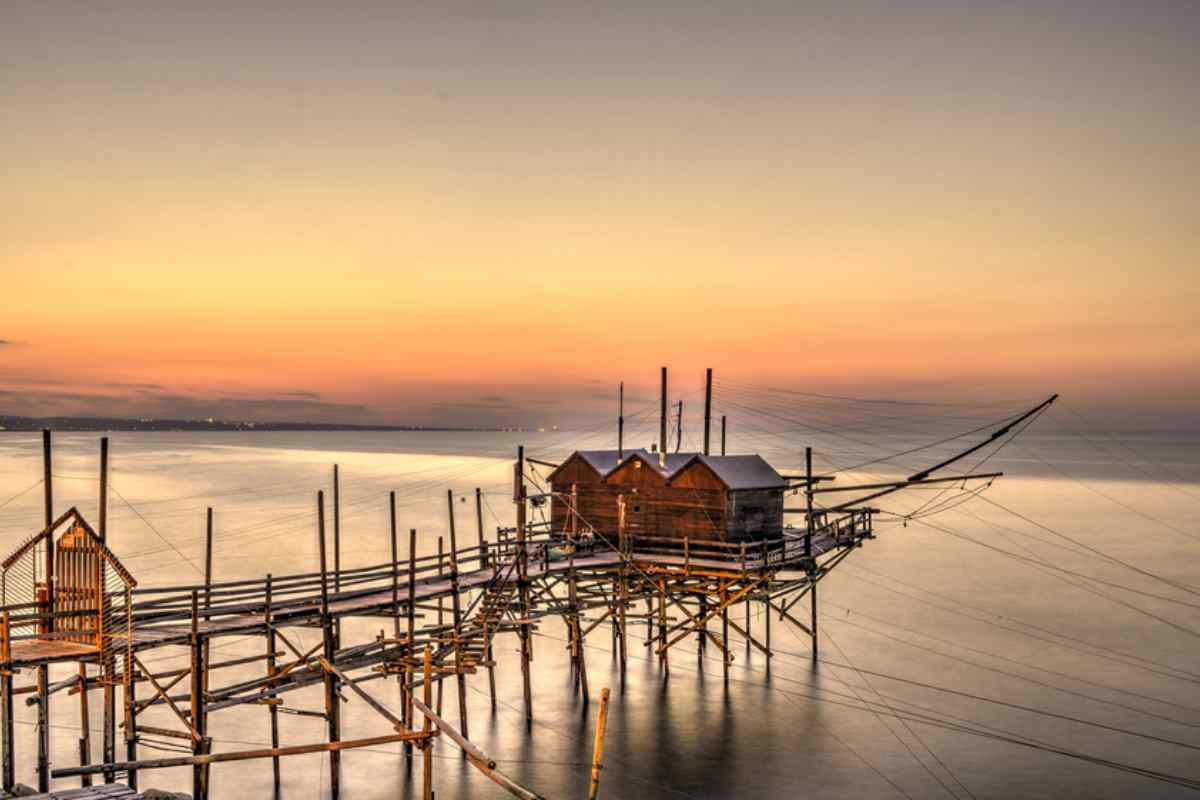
(738, 472)
(744, 472)
(605, 461)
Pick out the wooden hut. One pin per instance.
(672, 496)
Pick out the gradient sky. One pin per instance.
(491, 212)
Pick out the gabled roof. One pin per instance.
(740, 472)
(603, 461)
(736, 472)
(672, 462)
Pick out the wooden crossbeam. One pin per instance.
(195, 735)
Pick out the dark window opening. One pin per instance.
(637, 509)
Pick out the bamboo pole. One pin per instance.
(477, 757)
(598, 747)
(245, 755)
(427, 744)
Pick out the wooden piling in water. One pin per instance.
(427, 744)
(8, 758)
(410, 647)
(456, 610)
(109, 736)
(272, 642)
(523, 582)
(332, 711)
(598, 746)
(441, 614)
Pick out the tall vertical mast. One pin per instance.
(707, 407)
(621, 421)
(679, 427)
(662, 418)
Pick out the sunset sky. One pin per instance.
(489, 213)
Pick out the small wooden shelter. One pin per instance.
(63, 589)
(668, 496)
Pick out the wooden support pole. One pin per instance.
(725, 631)
(43, 729)
(102, 526)
(813, 593)
(722, 434)
(245, 755)
(483, 564)
(208, 575)
(85, 725)
(393, 539)
(273, 708)
(48, 485)
(598, 746)
(623, 577)
(427, 744)
(808, 497)
(199, 713)
(410, 648)
(456, 609)
(479, 528)
(477, 757)
(747, 605)
(662, 624)
(337, 551)
(523, 583)
(441, 612)
(109, 745)
(707, 407)
(8, 765)
(131, 726)
(43, 671)
(332, 711)
(577, 655)
(767, 623)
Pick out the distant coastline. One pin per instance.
(25, 424)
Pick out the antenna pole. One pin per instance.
(662, 417)
(621, 420)
(679, 427)
(707, 407)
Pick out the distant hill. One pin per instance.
(123, 424)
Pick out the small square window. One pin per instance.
(637, 509)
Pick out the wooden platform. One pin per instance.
(103, 791)
(44, 651)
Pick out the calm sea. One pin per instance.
(1075, 624)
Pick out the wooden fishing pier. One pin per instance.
(661, 547)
